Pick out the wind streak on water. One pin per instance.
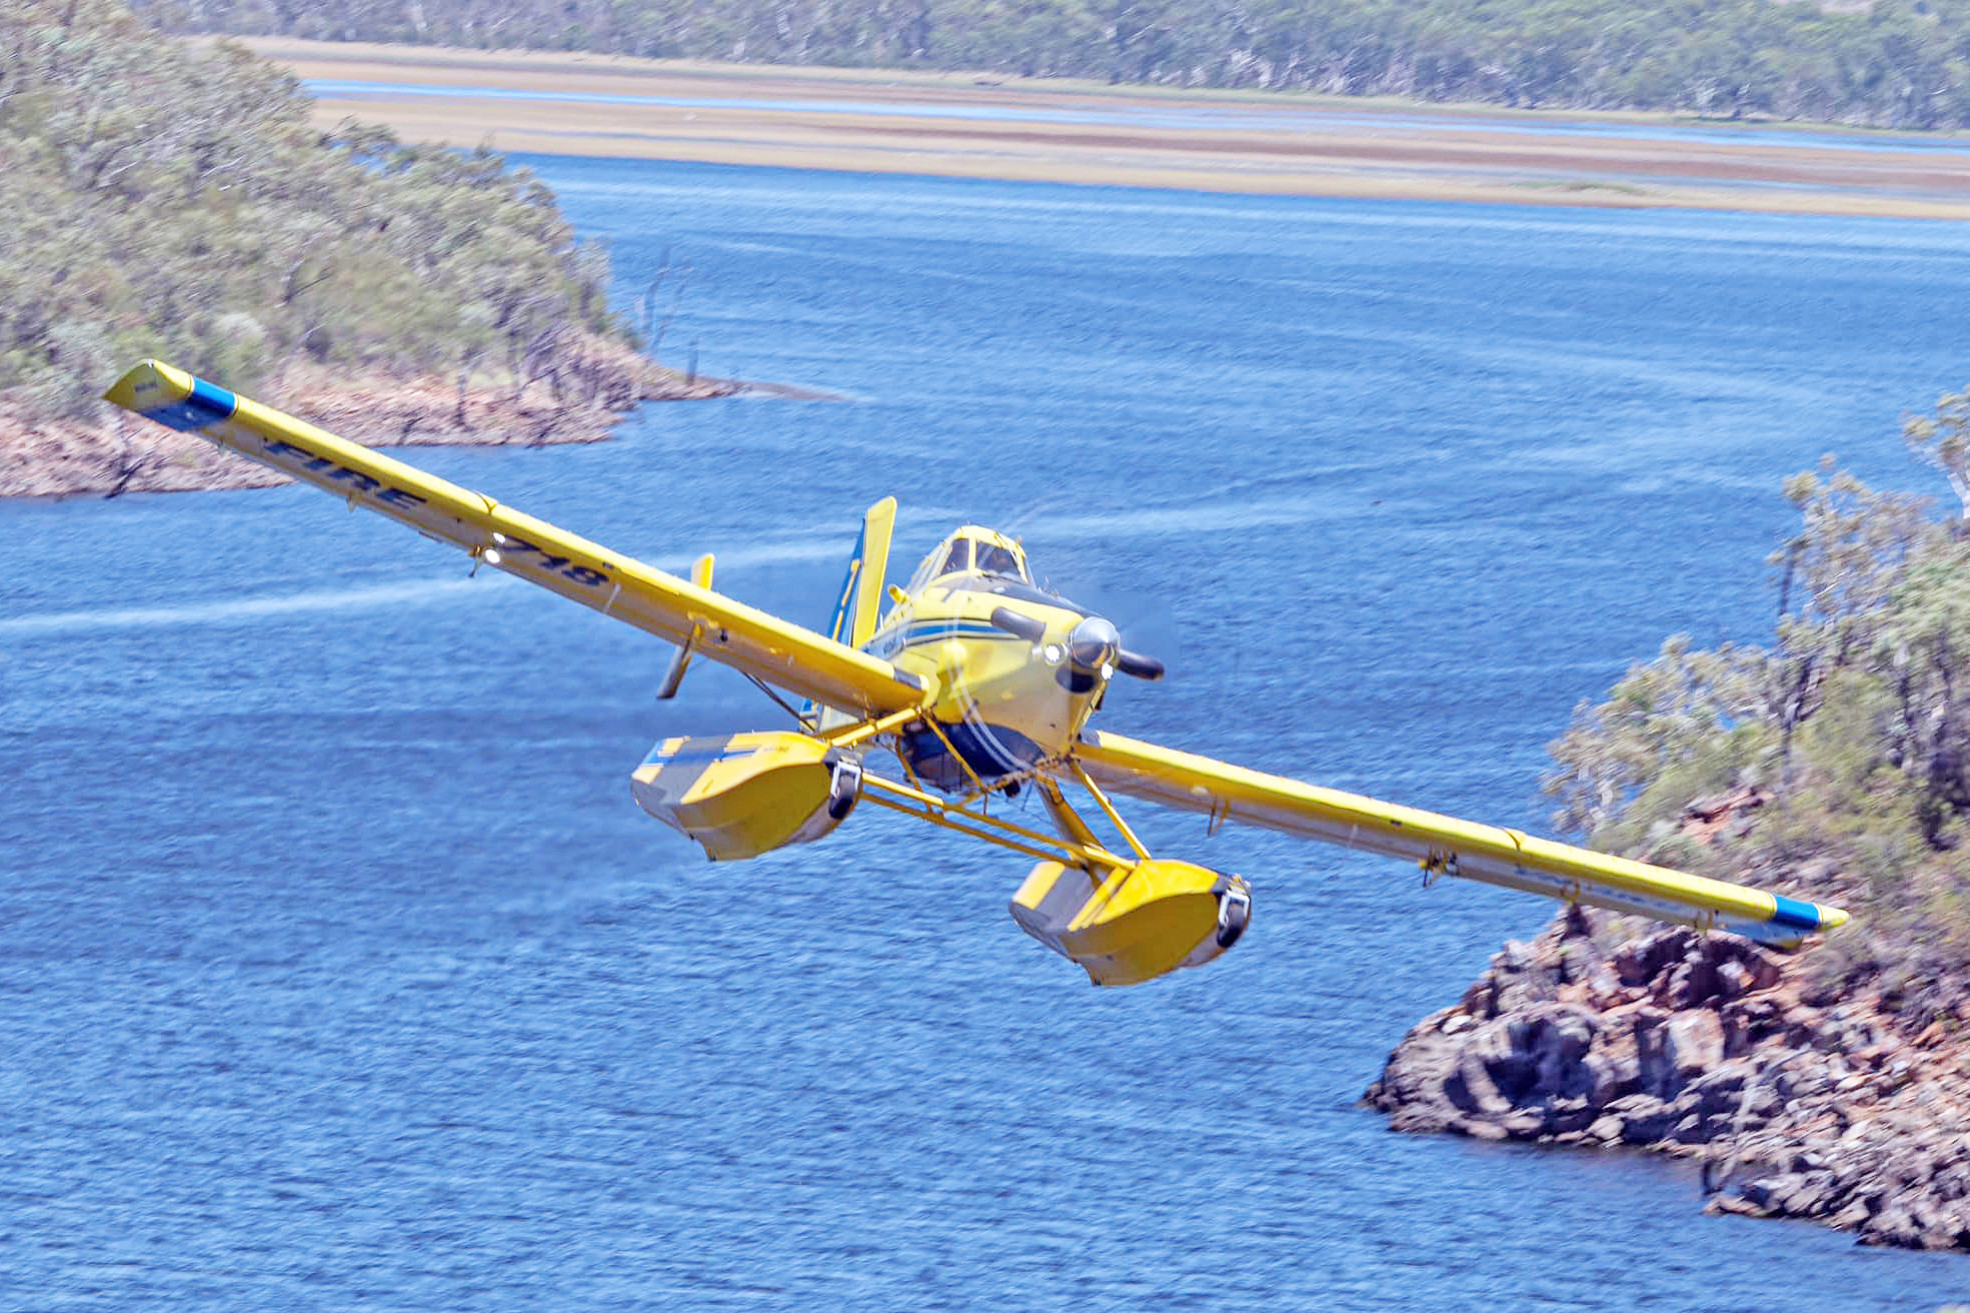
(328, 599)
(245, 608)
(1171, 521)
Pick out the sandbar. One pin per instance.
(1042, 130)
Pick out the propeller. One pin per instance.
(1030, 628)
(1094, 644)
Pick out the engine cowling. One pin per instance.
(1136, 923)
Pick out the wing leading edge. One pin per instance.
(1443, 844)
(764, 646)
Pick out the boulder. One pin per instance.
(1639, 961)
(1692, 1043)
(1611, 1073)
(1801, 1101)
(1644, 1118)
(1748, 1021)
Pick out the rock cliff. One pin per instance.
(1800, 1100)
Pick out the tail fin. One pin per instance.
(861, 588)
(861, 593)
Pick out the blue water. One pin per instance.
(1281, 116)
(338, 965)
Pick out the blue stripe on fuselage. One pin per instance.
(989, 750)
(920, 632)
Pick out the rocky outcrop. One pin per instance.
(1799, 1104)
(112, 452)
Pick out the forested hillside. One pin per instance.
(1836, 761)
(1890, 63)
(1833, 1084)
(171, 198)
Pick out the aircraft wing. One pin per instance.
(1442, 844)
(764, 646)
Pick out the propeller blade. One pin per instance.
(1023, 626)
(1093, 642)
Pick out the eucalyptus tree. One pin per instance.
(184, 206)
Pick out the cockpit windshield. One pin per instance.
(994, 559)
(965, 554)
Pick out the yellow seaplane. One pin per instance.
(981, 685)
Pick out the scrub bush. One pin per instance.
(1834, 764)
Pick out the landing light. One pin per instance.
(1108, 670)
(492, 555)
(500, 538)
(1054, 653)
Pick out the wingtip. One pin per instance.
(1832, 918)
(149, 385)
(172, 397)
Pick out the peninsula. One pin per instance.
(404, 283)
(1832, 1083)
(185, 208)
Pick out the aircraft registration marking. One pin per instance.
(356, 479)
(383, 492)
(560, 565)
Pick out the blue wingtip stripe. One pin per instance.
(208, 404)
(1795, 913)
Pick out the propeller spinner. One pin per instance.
(1094, 644)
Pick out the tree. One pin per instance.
(1943, 441)
(1844, 749)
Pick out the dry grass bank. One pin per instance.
(1225, 142)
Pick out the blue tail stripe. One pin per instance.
(208, 404)
(844, 604)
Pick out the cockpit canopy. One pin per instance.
(973, 550)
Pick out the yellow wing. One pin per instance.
(1443, 845)
(799, 660)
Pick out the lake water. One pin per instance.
(338, 965)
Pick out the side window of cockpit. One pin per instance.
(994, 559)
(925, 572)
(959, 559)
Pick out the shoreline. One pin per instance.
(110, 452)
(1038, 130)
(1799, 1099)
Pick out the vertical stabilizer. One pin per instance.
(861, 588)
(859, 604)
(872, 565)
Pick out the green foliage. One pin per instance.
(1889, 63)
(1846, 746)
(1697, 716)
(1943, 441)
(183, 207)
